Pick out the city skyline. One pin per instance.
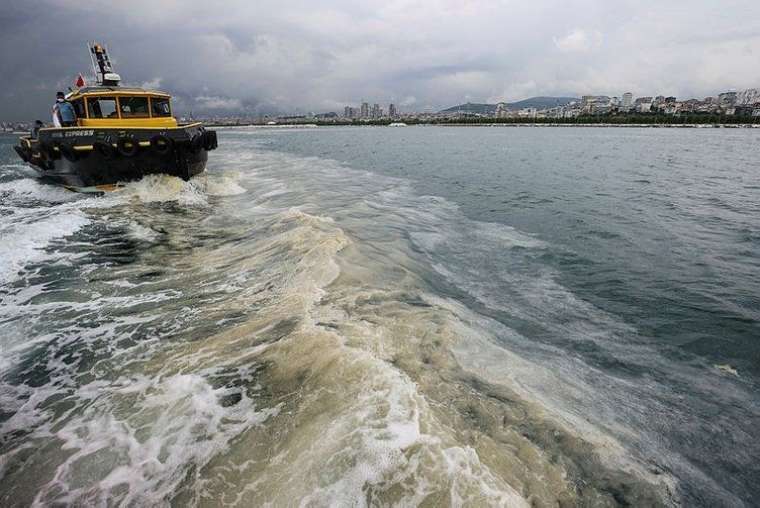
(745, 102)
(626, 101)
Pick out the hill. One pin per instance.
(471, 108)
(489, 109)
(542, 102)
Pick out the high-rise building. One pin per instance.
(392, 111)
(627, 103)
(376, 111)
(347, 112)
(364, 110)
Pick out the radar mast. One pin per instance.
(101, 64)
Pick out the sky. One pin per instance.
(295, 56)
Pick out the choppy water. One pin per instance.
(374, 316)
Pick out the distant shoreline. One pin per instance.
(616, 125)
(506, 124)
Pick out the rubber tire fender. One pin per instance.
(196, 143)
(106, 150)
(161, 144)
(209, 140)
(127, 147)
(22, 153)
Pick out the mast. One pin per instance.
(101, 64)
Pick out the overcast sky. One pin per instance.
(307, 55)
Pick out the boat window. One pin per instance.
(133, 107)
(102, 107)
(79, 108)
(160, 106)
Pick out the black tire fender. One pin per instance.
(161, 144)
(196, 143)
(127, 147)
(209, 140)
(106, 150)
(22, 153)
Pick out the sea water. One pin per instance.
(424, 316)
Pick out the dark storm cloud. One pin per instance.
(302, 55)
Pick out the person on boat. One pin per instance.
(36, 129)
(63, 112)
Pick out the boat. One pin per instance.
(121, 134)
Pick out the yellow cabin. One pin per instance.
(117, 107)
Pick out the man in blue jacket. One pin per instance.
(63, 112)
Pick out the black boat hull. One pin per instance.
(97, 159)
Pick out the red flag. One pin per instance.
(80, 82)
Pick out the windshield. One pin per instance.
(160, 107)
(133, 107)
(102, 107)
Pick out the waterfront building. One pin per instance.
(528, 113)
(392, 112)
(502, 110)
(643, 104)
(627, 103)
(743, 110)
(591, 104)
(351, 112)
(364, 113)
(377, 111)
(690, 105)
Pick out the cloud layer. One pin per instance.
(318, 56)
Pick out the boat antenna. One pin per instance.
(101, 64)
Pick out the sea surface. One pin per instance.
(420, 316)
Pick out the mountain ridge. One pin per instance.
(540, 102)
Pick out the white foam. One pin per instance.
(728, 369)
(176, 423)
(34, 188)
(377, 442)
(161, 188)
(24, 243)
(139, 232)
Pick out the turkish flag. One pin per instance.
(80, 82)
